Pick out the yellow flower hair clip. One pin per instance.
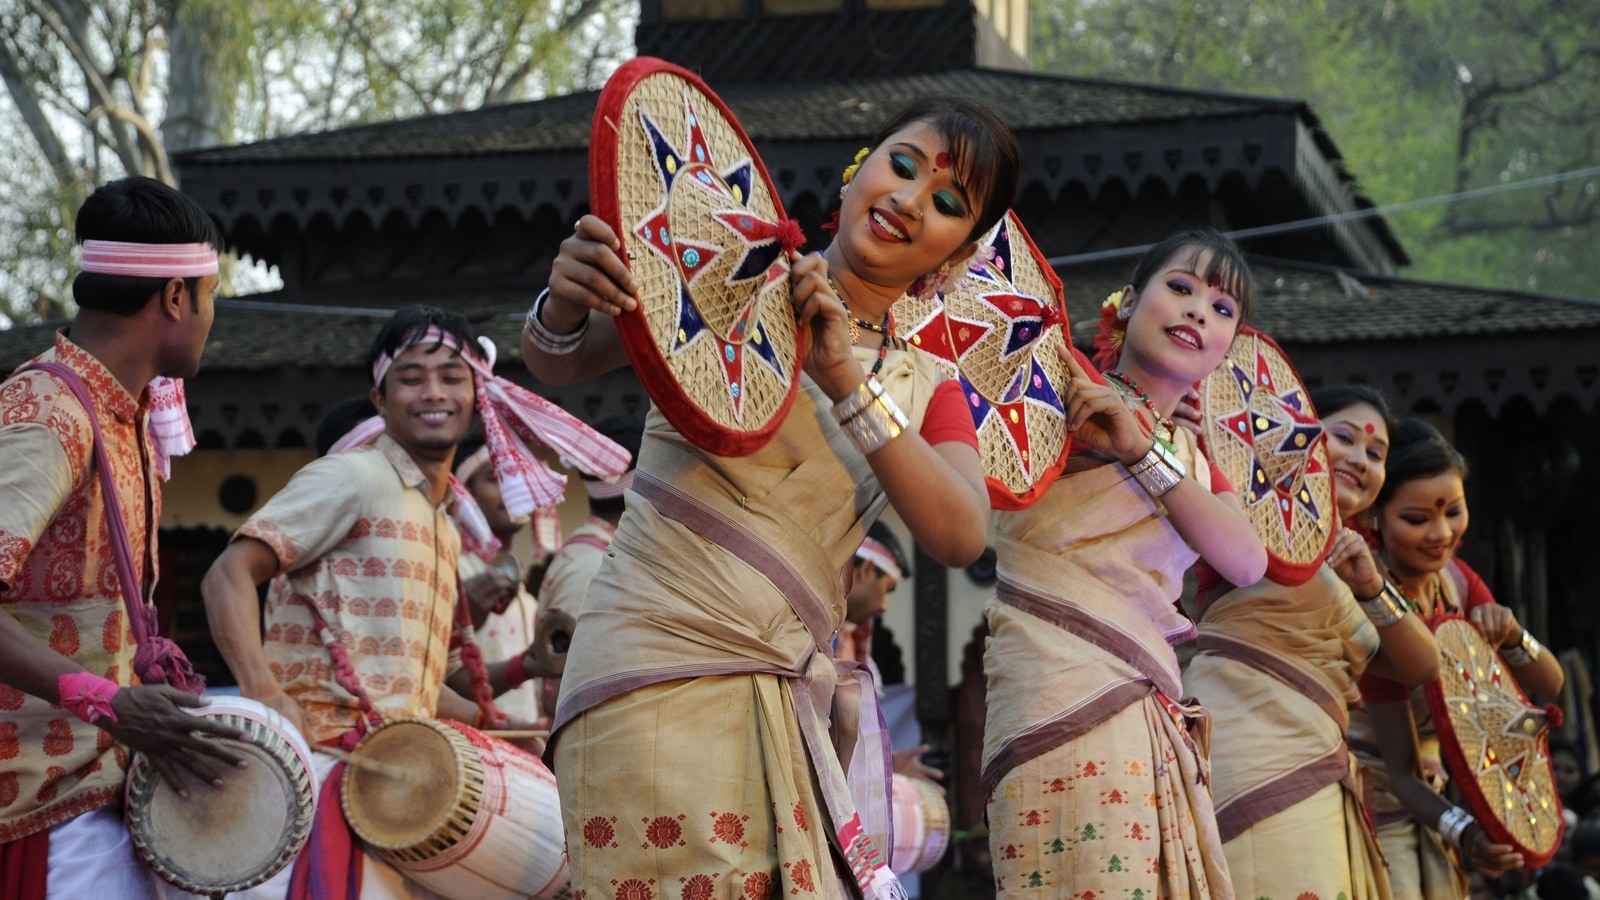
(850, 170)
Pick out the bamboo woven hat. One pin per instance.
(714, 337)
(996, 326)
(1262, 432)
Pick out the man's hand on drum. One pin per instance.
(588, 274)
(151, 719)
(909, 762)
(1351, 560)
(827, 353)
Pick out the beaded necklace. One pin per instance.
(1129, 386)
(1435, 591)
(885, 328)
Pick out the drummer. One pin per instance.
(360, 544)
(69, 706)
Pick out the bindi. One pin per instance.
(1438, 503)
(942, 161)
(1371, 428)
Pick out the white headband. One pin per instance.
(876, 553)
(149, 260)
(609, 490)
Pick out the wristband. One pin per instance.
(87, 696)
(1385, 609)
(1159, 471)
(1453, 823)
(534, 329)
(514, 675)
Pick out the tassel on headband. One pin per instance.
(509, 411)
(171, 433)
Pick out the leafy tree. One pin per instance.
(1424, 97)
(99, 90)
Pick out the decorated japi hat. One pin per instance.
(713, 338)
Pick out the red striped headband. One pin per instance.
(149, 260)
(875, 552)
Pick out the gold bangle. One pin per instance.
(876, 425)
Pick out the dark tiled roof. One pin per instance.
(805, 111)
(1305, 304)
(1299, 304)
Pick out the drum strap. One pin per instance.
(344, 672)
(156, 658)
(472, 658)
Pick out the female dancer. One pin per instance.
(1096, 774)
(1277, 666)
(692, 743)
(1420, 517)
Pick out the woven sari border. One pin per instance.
(1275, 795)
(1281, 668)
(717, 528)
(1064, 728)
(1086, 626)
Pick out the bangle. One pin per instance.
(1524, 652)
(870, 417)
(1453, 823)
(515, 677)
(1159, 471)
(857, 400)
(1385, 609)
(87, 696)
(540, 336)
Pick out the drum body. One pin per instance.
(921, 825)
(476, 819)
(221, 841)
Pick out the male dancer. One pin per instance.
(69, 649)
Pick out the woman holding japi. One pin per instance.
(1418, 520)
(1096, 772)
(692, 743)
(1278, 668)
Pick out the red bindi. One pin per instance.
(1371, 428)
(1438, 503)
(943, 159)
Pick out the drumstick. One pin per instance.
(515, 734)
(376, 767)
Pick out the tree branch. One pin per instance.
(33, 115)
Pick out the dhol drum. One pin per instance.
(474, 818)
(921, 825)
(218, 842)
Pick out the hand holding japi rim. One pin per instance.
(1098, 416)
(825, 342)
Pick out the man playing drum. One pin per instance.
(361, 617)
(79, 675)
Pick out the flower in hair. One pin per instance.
(850, 170)
(1113, 330)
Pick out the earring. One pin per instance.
(945, 268)
(842, 188)
(1125, 304)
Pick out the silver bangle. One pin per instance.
(1159, 471)
(857, 400)
(876, 425)
(1385, 609)
(1525, 653)
(540, 336)
(1453, 823)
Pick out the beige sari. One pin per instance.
(1277, 667)
(707, 742)
(1096, 774)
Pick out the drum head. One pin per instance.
(232, 838)
(1263, 434)
(392, 812)
(997, 329)
(714, 338)
(1495, 743)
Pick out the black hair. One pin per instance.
(469, 445)
(1416, 451)
(1330, 398)
(983, 151)
(1225, 267)
(1585, 840)
(144, 211)
(1558, 882)
(406, 324)
(628, 432)
(885, 535)
(340, 418)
